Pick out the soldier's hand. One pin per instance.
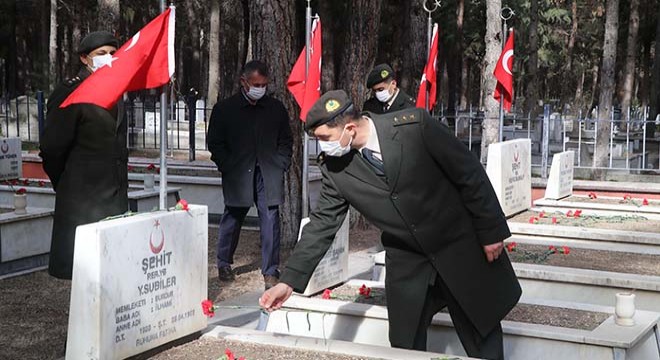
(273, 298)
(493, 251)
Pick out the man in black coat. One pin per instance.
(84, 153)
(443, 227)
(387, 96)
(250, 141)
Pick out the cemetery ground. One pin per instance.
(35, 307)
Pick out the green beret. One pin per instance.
(326, 108)
(379, 74)
(95, 40)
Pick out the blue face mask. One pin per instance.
(334, 148)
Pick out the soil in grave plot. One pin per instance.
(525, 313)
(614, 261)
(620, 222)
(34, 308)
(213, 349)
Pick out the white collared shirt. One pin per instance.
(372, 142)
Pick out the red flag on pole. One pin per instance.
(144, 62)
(504, 75)
(429, 77)
(306, 92)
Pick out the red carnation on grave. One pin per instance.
(229, 355)
(554, 220)
(569, 213)
(21, 191)
(130, 168)
(14, 182)
(552, 249)
(26, 182)
(511, 246)
(592, 195)
(42, 183)
(627, 197)
(565, 250)
(645, 201)
(182, 205)
(533, 220)
(208, 308)
(577, 213)
(542, 214)
(365, 291)
(327, 294)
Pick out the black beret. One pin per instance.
(95, 40)
(379, 74)
(326, 108)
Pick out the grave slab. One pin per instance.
(11, 163)
(138, 283)
(560, 180)
(574, 202)
(509, 169)
(333, 267)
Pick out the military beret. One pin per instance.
(327, 107)
(95, 40)
(379, 74)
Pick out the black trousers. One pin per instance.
(437, 297)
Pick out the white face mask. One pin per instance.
(383, 95)
(101, 61)
(256, 93)
(334, 148)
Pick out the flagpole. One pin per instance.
(305, 170)
(509, 13)
(163, 136)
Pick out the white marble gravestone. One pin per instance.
(138, 283)
(509, 169)
(11, 161)
(333, 267)
(560, 181)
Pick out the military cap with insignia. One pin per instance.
(379, 74)
(95, 40)
(330, 105)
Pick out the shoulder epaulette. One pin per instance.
(403, 118)
(71, 82)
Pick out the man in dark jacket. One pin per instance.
(250, 141)
(443, 228)
(387, 96)
(84, 153)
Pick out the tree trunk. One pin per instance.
(360, 48)
(234, 33)
(330, 29)
(655, 90)
(52, 47)
(193, 58)
(273, 25)
(214, 56)
(532, 96)
(414, 47)
(490, 132)
(631, 56)
(568, 73)
(108, 16)
(465, 82)
(579, 90)
(607, 88)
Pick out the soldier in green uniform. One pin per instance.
(387, 96)
(443, 227)
(84, 153)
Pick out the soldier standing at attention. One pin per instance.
(387, 96)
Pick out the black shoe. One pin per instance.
(225, 274)
(270, 281)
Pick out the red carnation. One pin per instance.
(533, 220)
(565, 250)
(552, 249)
(577, 213)
(569, 213)
(365, 291)
(627, 197)
(592, 195)
(554, 220)
(645, 201)
(21, 191)
(229, 354)
(208, 308)
(42, 183)
(26, 182)
(542, 214)
(327, 294)
(511, 246)
(130, 168)
(182, 205)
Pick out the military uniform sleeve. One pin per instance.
(317, 236)
(284, 139)
(59, 134)
(217, 142)
(467, 174)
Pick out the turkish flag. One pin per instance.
(144, 62)
(504, 75)
(307, 91)
(429, 77)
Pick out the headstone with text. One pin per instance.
(560, 180)
(509, 169)
(333, 267)
(138, 283)
(11, 161)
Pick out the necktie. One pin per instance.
(375, 163)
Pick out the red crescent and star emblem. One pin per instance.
(156, 249)
(516, 156)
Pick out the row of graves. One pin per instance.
(589, 267)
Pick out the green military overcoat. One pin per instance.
(437, 209)
(402, 101)
(84, 153)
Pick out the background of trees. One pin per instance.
(567, 53)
